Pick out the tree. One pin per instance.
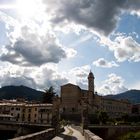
(125, 117)
(103, 117)
(48, 95)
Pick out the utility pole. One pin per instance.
(56, 115)
(84, 114)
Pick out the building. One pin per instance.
(24, 112)
(73, 99)
(116, 108)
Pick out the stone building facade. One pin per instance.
(24, 112)
(73, 98)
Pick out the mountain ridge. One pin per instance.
(13, 92)
(132, 95)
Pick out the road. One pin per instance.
(69, 134)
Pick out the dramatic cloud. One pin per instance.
(113, 85)
(32, 41)
(33, 49)
(99, 15)
(101, 62)
(31, 44)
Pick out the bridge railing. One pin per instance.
(24, 123)
(91, 136)
(42, 135)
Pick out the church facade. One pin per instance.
(73, 98)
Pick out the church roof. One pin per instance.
(84, 91)
(70, 84)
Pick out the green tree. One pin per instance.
(125, 117)
(48, 95)
(103, 117)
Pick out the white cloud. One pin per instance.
(70, 52)
(124, 48)
(48, 76)
(80, 71)
(14, 75)
(101, 62)
(127, 48)
(80, 75)
(113, 85)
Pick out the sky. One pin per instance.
(47, 43)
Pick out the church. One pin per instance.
(73, 98)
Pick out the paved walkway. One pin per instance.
(69, 134)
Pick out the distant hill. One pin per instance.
(13, 92)
(132, 95)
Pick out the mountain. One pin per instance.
(13, 92)
(132, 95)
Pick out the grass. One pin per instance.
(130, 136)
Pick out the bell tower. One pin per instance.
(90, 88)
(91, 82)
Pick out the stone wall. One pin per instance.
(111, 132)
(120, 130)
(42, 135)
(91, 136)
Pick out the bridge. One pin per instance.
(25, 130)
(40, 130)
(18, 129)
